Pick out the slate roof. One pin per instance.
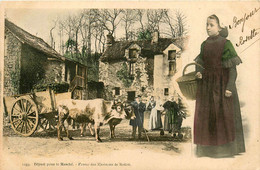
(117, 50)
(32, 40)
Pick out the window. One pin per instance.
(166, 92)
(143, 89)
(81, 71)
(172, 67)
(117, 90)
(131, 68)
(132, 53)
(172, 55)
(131, 96)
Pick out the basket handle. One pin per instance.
(183, 73)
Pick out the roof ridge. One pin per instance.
(31, 39)
(117, 50)
(9, 22)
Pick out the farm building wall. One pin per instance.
(37, 69)
(95, 90)
(12, 64)
(167, 69)
(107, 74)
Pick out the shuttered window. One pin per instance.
(117, 90)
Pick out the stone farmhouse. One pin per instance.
(30, 61)
(146, 68)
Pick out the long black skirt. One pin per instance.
(230, 149)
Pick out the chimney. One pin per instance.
(155, 37)
(110, 40)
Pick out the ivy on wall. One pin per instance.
(123, 75)
(15, 77)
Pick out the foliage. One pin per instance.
(144, 35)
(92, 63)
(75, 57)
(124, 76)
(56, 87)
(86, 30)
(70, 43)
(89, 60)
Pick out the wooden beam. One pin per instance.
(76, 69)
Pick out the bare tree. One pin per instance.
(91, 26)
(109, 19)
(129, 17)
(181, 23)
(140, 14)
(175, 23)
(77, 26)
(51, 33)
(71, 26)
(86, 30)
(99, 34)
(67, 25)
(61, 36)
(155, 17)
(170, 22)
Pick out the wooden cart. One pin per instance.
(29, 111)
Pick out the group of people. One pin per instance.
(173, 111)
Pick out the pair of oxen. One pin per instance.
(92, 112)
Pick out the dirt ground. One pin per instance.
(40, 141)
(45, 144)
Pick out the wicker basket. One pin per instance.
(188, 83)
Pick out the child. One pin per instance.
(218, 128)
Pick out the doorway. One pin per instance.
(131, 96)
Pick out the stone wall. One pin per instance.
(151, 75)
(141, 78)
(38, 69)
(12, 64)
(24, 66)
(107, 75)
(54, 71)
(140, 82)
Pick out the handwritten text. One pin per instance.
(243, 40)
(242, 20)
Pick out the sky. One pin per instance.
(28, 19)
(37, 21)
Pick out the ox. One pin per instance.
(97, 112)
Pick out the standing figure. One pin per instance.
(155, 121)
(172, 109)
(151, 104)
(178, 118)
(138, 121)
(218, 128)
